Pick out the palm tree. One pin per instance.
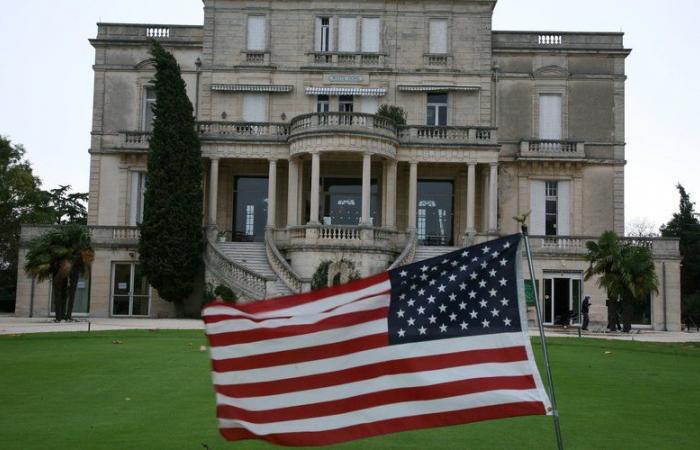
(625, 270)
(61, 255)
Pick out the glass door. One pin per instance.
(562, 299)
(130, 290)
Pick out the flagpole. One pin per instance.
(545, 353)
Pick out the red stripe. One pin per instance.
(392, 425)
(299, 299)
(299, 355)
(329, 323)
(369, 371)
(399, 395)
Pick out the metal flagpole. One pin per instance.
(545, 353)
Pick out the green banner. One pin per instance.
(529, 293)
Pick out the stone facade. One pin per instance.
(498, 123)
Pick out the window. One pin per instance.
(435, 212)
(347, 34)
(369, 105)
(370, 35)
(81, 303)
(149, 101)
(250, 208)
(257, 33)
(550, 208)
(255, 108)
(323, 34)
(345, 103)
(438, 36)
(131, 295)
(550, 117)
(436, 114)
(323, 104)
(138, 187)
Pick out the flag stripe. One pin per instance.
(299, 355)
(355, 357)
(405, 380)
(370, 371)
(372, 399)
(391, 411)
(285, 332)
(299, 439)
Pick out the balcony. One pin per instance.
(341, 122)
(243, 131)
(570, 245)
(552, 149)
(345, 236)
(342, 59)
(548, 40)
(426, 135)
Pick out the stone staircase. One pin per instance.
(427, 252)
(252, 255)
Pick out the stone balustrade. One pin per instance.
(143, 32)
(557, 39)
(243, 131)
(253, 285)
(342, 235)
(551, 149)
(342, 59)
(417, 134)
(660, 247)
(339, 122)
(282, 268)
(112, 236)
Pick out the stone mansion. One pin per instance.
(299, 169)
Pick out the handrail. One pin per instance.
(251, 283)
(280, 265)
(408, 253)
(342, 119)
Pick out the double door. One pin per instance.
(562, 299)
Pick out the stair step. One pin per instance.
(253, 255)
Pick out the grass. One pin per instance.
(153, 391)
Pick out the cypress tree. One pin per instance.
(171, 232)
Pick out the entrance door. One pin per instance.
(130, 290)
(435, 211)
(250, 209)
(562, 299)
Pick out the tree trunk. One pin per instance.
(72, 288)
(612, 314)
(59, 285)
(627, 313)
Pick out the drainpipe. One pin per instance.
(663, 276)
(198, 66)
(31, 298)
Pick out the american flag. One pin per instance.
(439, 342)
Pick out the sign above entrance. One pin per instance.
(350, 78)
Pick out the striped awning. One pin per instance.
(252, 87)
(368, 92)
(435, 88)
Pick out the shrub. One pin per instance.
(394, 113)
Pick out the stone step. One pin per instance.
(253, 256)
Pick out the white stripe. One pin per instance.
(386, 412)
(227, 326)
(317, 306)
(388, 353)
(308, 341)
(404, 380)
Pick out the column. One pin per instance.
(366, 187)
(412, 195)
(390, 194)
(272, 194)
(471, 197)
(213, 189)
(315, 180)
(292, 193)
(493, 198)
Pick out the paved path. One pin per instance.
(16, 325)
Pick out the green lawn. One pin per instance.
(153, 391)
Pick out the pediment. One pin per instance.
(149, 63)
(551, 71)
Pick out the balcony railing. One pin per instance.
(349, 235)
(552, 149)
(246, 131)
(101, 235)
(343, 122)
(660, 247)
(557, 39)
(355, 59)
(142, 32)
(416, 134)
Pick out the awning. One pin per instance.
(368, 92)
(252, 87)
(435, 88)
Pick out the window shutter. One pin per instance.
(256, 33)
(138, 184)
(550, 116)
(369, 105)
(317, 38)
(255, 108)
(438, 36)
(537, 196)
(564, 208)
(347, 34)
(370, 35)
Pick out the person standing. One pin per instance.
(585, 307)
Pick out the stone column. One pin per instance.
(272, 194)
(471, 198)
(493, 198)
(213, 189)
(315, 180)
(366, 188)
(390, 194)
(412, 195)
(292, 193)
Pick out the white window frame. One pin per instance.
(264, 44)
(437, 107)
(347, 25)
(550, 87)
(323, 34)
(367, 44)
(323, 105)
(551, 100)
(138, 188)
(551, 193)
(146, 103)
(132, 275)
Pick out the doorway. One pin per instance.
(562, 299)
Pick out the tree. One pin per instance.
(685, 226)
(68, 207)
(394, 113)
(171, 232)
(62, 255)
(625, 270)
(641, 228)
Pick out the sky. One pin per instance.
(46, 82)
